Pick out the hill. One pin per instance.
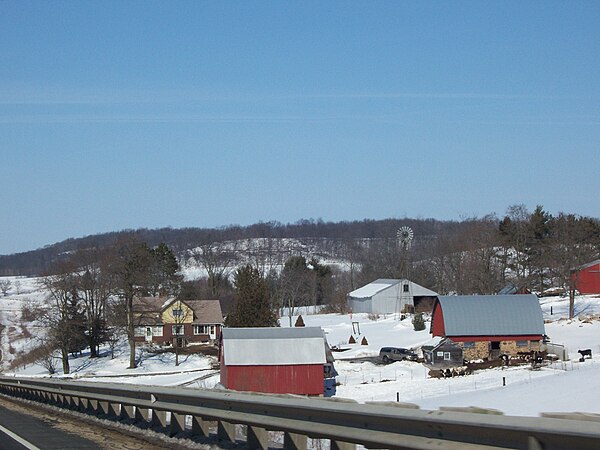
(317, 233)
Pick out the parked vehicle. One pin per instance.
(389, 354)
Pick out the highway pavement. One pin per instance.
(21, 431)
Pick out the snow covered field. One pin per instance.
(565, 387)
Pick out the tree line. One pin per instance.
(91, 290)
(39, 261)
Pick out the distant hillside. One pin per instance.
(37, 262)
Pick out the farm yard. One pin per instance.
(559, 386)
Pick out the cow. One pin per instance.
(587, 353)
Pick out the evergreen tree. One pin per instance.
(418, 322)
(167, 279)
(252, 305)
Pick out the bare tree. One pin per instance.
(130, 267)
(92, 283)
(576, 242)
(295, 285)
(5, 286)
(62, 318)
(218, 259)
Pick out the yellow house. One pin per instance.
(168, 321)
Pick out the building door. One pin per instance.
(212, 332)
(494, 349)
(148, 334)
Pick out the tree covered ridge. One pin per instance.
(533, 250)
(37, 262)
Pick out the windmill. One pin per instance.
(405, 237)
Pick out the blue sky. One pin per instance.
(119, 115)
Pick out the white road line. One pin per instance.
(19, 439)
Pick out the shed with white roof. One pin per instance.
(273, 360)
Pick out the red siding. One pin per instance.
(299, 379)
(437, 321)
(588, 280)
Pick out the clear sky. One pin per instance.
(121, 114)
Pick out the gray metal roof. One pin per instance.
(492, 315)
(273, 346)
(272, 333)
(382, 284)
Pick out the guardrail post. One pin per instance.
(103, 408)
(226, 431)
(177, 423)
(339, 445)
(127, 412)
(200, 426)
(71, 402)
(142, 415)
(114, 410)
(293, 441)
(159, 418)
(92, 405)
(534, 444)
(257, 437)
(84, 404)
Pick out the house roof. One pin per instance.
(588, 265)
(149, 309)
(382, 284)
(273, 346)
(206, 311)
(492, 315)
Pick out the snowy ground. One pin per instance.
(567, 387)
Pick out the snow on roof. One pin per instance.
(273, 346)
(492, 315)
(383, 283)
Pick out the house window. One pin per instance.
(200, 329)
(405, 287)
(522, 343)
(177, 312)
(446, 356)
(177, 330)
(157, 331)
(468, 344)
(139, 331)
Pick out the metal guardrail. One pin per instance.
(232, 416)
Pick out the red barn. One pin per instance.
(587, 278)
(273, 360)
(486, 326)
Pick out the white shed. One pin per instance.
(385, 296)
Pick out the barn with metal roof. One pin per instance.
(490, 325)
(273, 360)
(385, 296)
